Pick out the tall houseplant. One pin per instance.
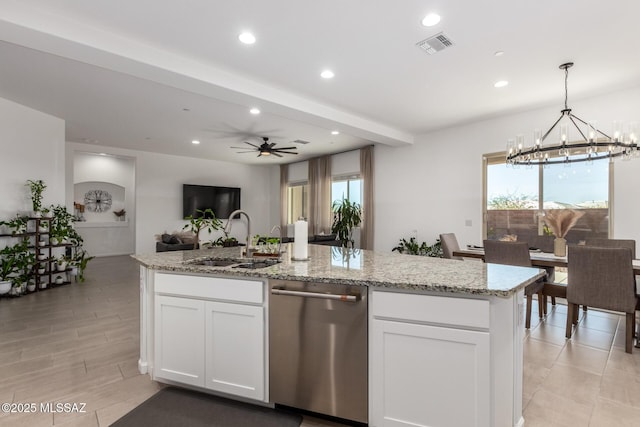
(206, 220)
(346, 216)
(37, 188)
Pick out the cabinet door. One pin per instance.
(425, 375)
(235, 353)
(179, 340)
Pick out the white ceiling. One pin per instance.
(122, 73)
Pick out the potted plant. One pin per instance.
(62, 262)
(61, 224)
(206, 220)
(7, 269)
(37, 188)
(31, 285)
(79, 261)
(17, 265)
(17, 225)
(346, 216)
(120, 215)
(411, 247)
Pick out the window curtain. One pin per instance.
(284, 196)
(324, 217)
(320, 195)
(366, 173)
(313, 195)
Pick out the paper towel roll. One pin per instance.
(300, 240)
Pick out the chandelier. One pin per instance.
(591, 143)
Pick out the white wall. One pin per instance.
(159, 180)
(435, 185)
(102, 234)
(32, 148)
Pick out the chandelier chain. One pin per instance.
(566, 90)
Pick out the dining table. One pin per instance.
(538, 258)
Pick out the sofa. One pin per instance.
(175, 242)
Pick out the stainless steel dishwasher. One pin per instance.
(318, 348)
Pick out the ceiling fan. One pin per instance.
(266, 148)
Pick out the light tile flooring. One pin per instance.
(79, 343)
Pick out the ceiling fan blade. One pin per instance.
(276, 154)
(286, 148)
(240, 148)
(250, 151)
(272, 144)
(253, 145)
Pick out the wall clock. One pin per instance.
(97, 200)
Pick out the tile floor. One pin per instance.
(79, 343)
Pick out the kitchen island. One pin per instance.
(444, 336)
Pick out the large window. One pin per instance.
(297, 201)
(349, 188)
(515, 198)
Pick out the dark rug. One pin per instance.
(174, 407)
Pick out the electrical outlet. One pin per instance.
(467, 222)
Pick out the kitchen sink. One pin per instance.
(257, 264)
(216, 262)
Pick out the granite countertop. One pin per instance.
(329, 264)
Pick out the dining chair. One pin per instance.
(601, 278)
(449, 245)
(613, 243)
(515, 253)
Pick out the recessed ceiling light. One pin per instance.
(254, 111)
(247, 38)
(327, 74)
(335, 132)
(195, 142)
(501, 83)
(430, 20)
(499, 53)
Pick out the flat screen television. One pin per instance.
(221, 200)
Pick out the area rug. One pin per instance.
(174, 407)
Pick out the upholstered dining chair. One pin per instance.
(515, 253)
(613, 243)
(449, 245)
(601, 278)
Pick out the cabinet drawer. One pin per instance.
(469, 313)
(220, 288)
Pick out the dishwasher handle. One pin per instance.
(305, 294)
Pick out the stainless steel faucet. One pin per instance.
(227, 228)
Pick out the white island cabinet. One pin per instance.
(431, 360)
(210, 333)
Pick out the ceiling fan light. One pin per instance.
(265, 153)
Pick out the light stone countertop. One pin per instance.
(329, 264)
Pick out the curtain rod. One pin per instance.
(332, 154)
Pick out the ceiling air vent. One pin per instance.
(301, 141)
(435, 44)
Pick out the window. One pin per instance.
(516, 196)
(297, 196)
(349, 188)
